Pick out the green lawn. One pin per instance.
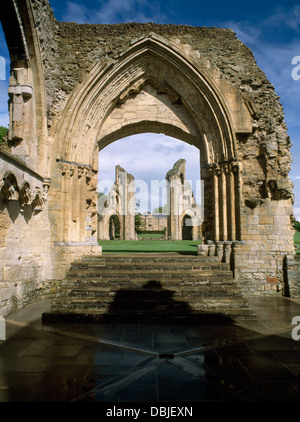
(183, 246)
(142, 246)
(297, 241)
(150, 235)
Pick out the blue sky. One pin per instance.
(271, 28)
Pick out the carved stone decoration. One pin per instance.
(78, 88)
(137, 87)
(10, 189)
(38, 201)
(19, 96)
(25, 196)
(281, 189)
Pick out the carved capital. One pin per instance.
(10, 189)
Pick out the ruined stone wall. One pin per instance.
(25, 245)
(25, 251)
(119, 202)
(46, 28)
(181, 205)
(62, 55)
(263, 154)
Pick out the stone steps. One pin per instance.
(148, 285)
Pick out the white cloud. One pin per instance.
(148, 157)
(246, 32)
(114, 11)
(275, 59)
(290, 17)
(76, 13)
(297, 213)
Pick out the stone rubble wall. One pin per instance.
(25, 255)
(266, 191)
(218, 51)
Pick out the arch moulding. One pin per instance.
(154, 86)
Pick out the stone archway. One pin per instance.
(200, 85)
(132, 96)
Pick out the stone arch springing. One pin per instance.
(154, 67)
(27, 127)
(148, 59)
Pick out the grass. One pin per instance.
(146, 246)
(297, 241)
(150, 235)
(165, 246)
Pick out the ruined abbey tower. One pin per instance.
(75, 88)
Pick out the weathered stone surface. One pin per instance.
(118, 204)
(76, 88)
(148, 286)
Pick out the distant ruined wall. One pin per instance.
(182, 205)
(119, 202)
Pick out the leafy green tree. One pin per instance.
(138, 222)
(161, 210)
(297, 225)
(3, 132)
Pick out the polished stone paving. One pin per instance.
(209, 360)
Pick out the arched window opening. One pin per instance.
(137, 167)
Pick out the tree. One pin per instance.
(3, 132)
(297, 225)
(138, 222)
(161, 210)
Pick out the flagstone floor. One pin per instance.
(211, 360)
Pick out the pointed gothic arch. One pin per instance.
(153, 86)
(73, 88)
(149, 61)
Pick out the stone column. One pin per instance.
(231, 204)
(66, 196)
(237, 196)
(221, 202)
(82, 204)
(75, 196)
(21, 120)
(216, 204)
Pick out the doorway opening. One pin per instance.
(114, 227)
(187, 228)
(143, 163)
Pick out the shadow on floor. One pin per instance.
(115, 359)
(151, 302)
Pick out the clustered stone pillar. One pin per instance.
(21, 121)
(221, 216)
(79, 192)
